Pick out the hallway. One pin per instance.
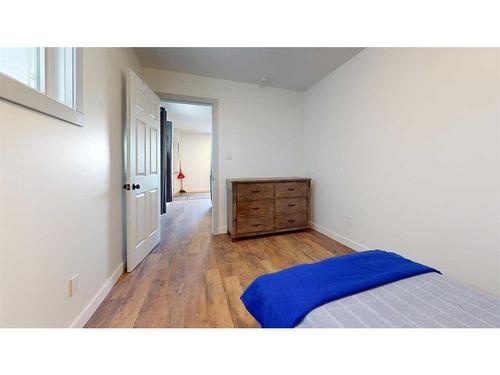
(195, 279)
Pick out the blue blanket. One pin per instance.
(282, 299)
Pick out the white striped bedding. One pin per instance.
(424, 301)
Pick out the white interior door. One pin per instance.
(143, 170)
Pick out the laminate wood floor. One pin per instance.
(195, 279)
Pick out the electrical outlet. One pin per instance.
(73, 285)
(229, 155)
(349, 221)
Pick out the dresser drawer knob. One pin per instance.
(291, 220)
(291, 205)
(255, 191)
(255, 225)
(255, 208)
(291, 189)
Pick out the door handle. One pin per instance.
(136, 186)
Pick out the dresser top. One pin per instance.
(265, 179)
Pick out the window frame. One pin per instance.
(18, 93)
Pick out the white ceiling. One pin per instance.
(189, 117)
(288, 68)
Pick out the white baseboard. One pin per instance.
(87, 312)
(221, 230)
(339, 238)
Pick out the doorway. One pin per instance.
(191, 170)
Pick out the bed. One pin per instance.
(429, 300)
(372, 289)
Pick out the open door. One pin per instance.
(143, 170)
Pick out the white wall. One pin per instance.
(196, 153)
(61, 199)
(189, 117)
(407, 143)
(261, 127)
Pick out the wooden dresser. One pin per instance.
(267, 205)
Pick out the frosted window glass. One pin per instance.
(26, 65)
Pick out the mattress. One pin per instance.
(428, 300)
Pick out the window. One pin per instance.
(24, 64)
(48, 80)
(62, 69)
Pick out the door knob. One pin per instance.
(136, 186)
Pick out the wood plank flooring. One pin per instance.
(195, 279)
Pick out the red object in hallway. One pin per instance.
(180, 176)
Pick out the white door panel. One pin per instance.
(143, 165)
(140, 219)
(154, 216)
(141, 147)
(153, 136)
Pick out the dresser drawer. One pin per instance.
(255, 208)
(290, 221)
(290, 205)
(250, 192)
(253, 225)
(290, 189)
